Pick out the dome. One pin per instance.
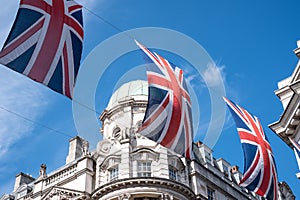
(137, 89)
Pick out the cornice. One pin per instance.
(149, 182)
(64, 194)
(284, 184)
(282, 92)
(231, 184)
(288, 123)
(128, 102)
(297, 52)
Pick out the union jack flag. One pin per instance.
(45, 43)
(297, 151)
(260, 174)
(168, 119)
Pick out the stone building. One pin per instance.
(128, 166)
(288, 125)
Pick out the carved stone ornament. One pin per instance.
(57, 194)
(61, 194)
(145, 154)
(125, 196)
(166, 197)
(103, 147)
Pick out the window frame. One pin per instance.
(211, 194)
(208, 157)
(144, 168)
(173, 173)
(113, 173)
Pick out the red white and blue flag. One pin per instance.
(297, 151)
(45, 43)
(168, 118)
(260, 174)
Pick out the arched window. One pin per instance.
(143, 161)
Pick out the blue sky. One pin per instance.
(251, 43)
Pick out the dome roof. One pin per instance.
(137, 89)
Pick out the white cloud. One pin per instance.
(19, 96)
(191, 77)
(10, 128)
(7, 15)
(214, 75)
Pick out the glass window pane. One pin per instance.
(113, 173)
(210, 194)
(144, 169)
(172, 173)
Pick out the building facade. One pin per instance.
(128, 166)
(288, 125)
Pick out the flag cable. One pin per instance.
(79, 103)
(106, 21)
(117, 29)
(39, 124)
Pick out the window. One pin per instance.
(172, 173)
(144, 169)
(207, 157)
(225, 168)
(113, 173)
(24, 190)
(210, 194)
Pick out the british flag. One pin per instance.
(45, 43)
(296, 150)
(168, 118)
(260, 174)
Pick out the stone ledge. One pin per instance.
(150, 182)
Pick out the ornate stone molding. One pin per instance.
(286, 191)
(60, 175)
(144, 154)
(165, 196)
(109, 161)
(150, 182)
(107, 114)
(176, 162)
(125, 196)
(57, 193)
(103, 147)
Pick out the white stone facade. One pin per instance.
(128, 166)
(288, 125)
(288, 92)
